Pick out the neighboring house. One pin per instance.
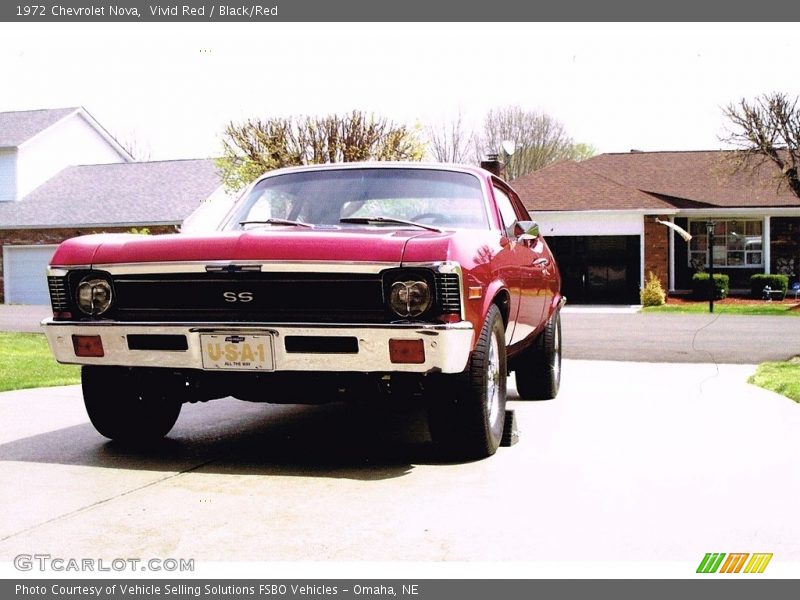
(600, 219)
(63, 175)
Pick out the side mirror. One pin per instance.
(526, 230)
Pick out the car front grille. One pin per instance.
(263, 297)
(59, 293)
(448, 292)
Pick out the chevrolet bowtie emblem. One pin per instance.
(232, 268)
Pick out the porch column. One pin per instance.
(766, 247)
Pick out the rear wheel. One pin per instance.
(127, 408)
(538, 370)
(466, 418)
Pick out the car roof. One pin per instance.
(432, 166)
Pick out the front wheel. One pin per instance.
(467, 416)
(538, 370)
(127, 408)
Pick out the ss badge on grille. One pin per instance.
(238, 296)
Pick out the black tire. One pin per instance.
(538, 369)
(127, 408)
(467, 415)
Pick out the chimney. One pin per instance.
(493, 165)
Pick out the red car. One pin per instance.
(366, 280)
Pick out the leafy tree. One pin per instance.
(256, 146)
(539, 139)
(766, 130)
(581, 151)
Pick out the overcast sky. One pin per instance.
(172, 87)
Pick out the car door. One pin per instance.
(532, 262)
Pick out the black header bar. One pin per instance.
(264, 11)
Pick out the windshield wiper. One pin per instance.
(276, 222)
(378, 219)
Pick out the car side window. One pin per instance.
(507, 213)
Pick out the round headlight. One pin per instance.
(94, 296)
(409, 298)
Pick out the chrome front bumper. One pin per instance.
(447, 346)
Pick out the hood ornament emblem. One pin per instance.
(231, 268)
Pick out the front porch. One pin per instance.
(744, 245)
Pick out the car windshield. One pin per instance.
(353, 197)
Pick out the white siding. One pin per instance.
(210, 213)
(71, 141)
(590, 223)
(8, 174)
(25, 274)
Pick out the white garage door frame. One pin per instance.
(10, 275)
(595, 222)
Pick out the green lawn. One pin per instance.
(765, 308)
(26, 362)
(781, 377)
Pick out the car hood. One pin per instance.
(367, 245)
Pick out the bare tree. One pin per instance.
(539, 139)
(450, 142)
(766, 130)
(256, 146)
(134, 146)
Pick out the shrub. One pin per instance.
(652, 293)
(776, 282)
(722, 285)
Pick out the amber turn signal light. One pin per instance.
(88, 345)
(407, 351)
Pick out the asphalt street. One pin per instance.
(679, 338)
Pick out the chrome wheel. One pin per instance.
(493, 381)
(557, 355)
(538, 368)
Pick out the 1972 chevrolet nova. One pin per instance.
(348, 280)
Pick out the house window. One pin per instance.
(737, 243)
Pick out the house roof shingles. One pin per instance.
(701, 176)
(18, 127)
(567, 185)
(120, 193)
(652, 180)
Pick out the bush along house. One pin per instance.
(601, 217)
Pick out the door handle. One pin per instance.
(541, 262)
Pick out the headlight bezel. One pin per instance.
(417, 281)
(92, 287)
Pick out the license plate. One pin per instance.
(237, 352)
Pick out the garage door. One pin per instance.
(602, 269)
(24, 274)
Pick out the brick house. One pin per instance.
(600, 215)
(63, 175)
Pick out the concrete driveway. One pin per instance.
(634, 463)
